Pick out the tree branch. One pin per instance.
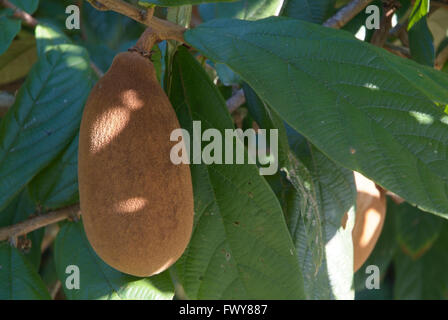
(380, 36)
(344, 15)
(27, 226)
(19, 13)
(165, 29)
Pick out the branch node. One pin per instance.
(73, 215)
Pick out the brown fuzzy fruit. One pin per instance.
(137, 206)
(370, 215)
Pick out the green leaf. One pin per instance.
(416, 230)
(306, 213)
(421, 43)
(180, 16)
(156, 58)
(245, 9)
(240, 247)
(20, 209)
(18, 60)
(323, 192)
(109, 28)
(18, 277)
(316, 11)
(267, 119)
(44, 117)
(97, 279)
(226, 75)
(54, 11)
(330, 194)
(425, 278)
(48, 36)
(9, 28)
(387, 122)
(384, 250)
(420, 9)
(177, 3)
(30, 6)
(57, 185)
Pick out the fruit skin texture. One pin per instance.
(369, 220)
(137, 206)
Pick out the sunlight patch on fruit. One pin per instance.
(107, 127)
(131, 99)
(131, 205)
(374, 218)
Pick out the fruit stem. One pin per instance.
(147, 40)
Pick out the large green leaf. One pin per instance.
(316, 11)
(57, 185)
(48, 36)
(332, 193)
(246, 10)
(19, 279)
(425, 278)
(304, 217)
(44, 117)
(421, 43)
(240, 247)
(9, 28)
(20, 209)
(322, 193)
(97, 279)
(363, 107)
(243, 9)
(180, 16)
(18, 60)
(416, 230)
(268, 120)
(297, 175)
